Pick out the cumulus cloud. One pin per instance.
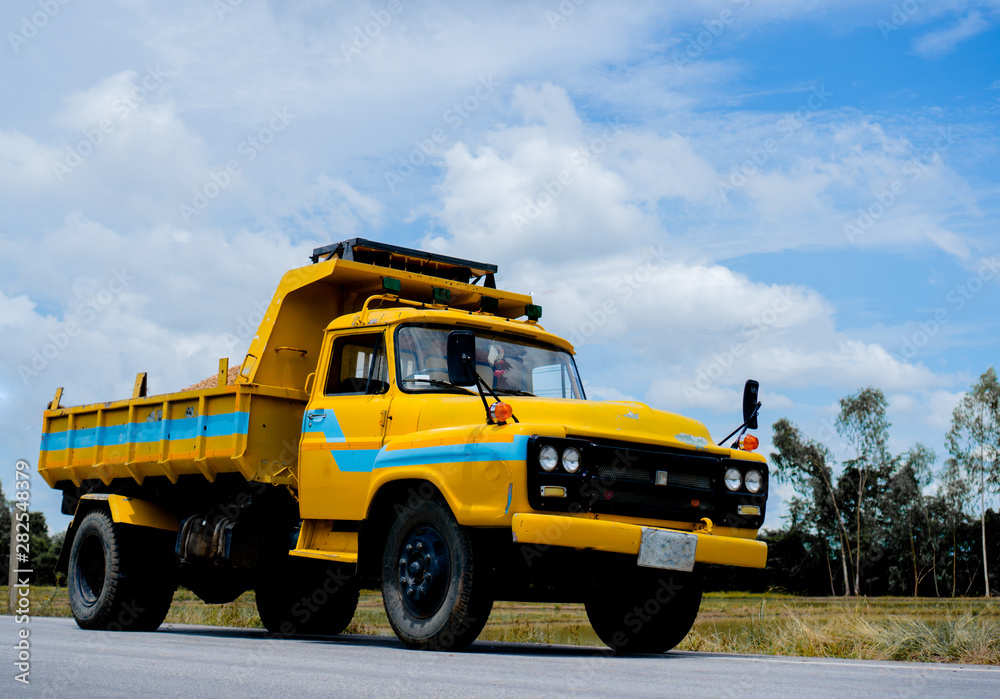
(618, 273)
(25, 164)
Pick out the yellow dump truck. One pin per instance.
(399, 422)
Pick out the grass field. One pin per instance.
(886, 628)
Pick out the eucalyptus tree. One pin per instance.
(806, 465)
(974, 443)
(911, 478)
(862, 421)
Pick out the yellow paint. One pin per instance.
(265, 453)
(618, 537)
(317, 539)
(136, 512)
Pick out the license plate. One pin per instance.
(667, 549)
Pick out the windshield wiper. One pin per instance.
(514, 392)
(438, 382)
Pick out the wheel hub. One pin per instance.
(423, 570)
(92, 569)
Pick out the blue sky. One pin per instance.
(805, 193)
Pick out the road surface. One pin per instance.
(200, 661)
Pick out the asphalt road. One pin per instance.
(204, 661)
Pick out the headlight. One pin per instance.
(754, 481)
(548, 458)
(571, 460)
(733, 479)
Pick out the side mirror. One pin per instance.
(750, 404)
(462, 358)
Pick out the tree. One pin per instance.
(910, 521)
(919, 463)
(952, 494)
(974, 443)
(4, 536)
(805, 465)
(863, 423)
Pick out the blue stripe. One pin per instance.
(365, 460)
(356, 460)
(451, 453)
(325, 421)
(225, 425)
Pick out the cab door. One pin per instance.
(344, 426)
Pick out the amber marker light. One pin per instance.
(749, 442)
(501, 412)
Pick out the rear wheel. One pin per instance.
(307, 597)
(646, 611)
(435, 584)
(121, 578)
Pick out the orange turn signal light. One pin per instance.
(501, 412)
(749, 442)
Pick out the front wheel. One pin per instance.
(121, 578)
(646, 611)
(435, 584)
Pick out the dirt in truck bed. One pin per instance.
(213, 381)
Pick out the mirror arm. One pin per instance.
(741, 427)
(480, 385)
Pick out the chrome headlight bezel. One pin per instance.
(733, 478)
(571, 460)
(548, 458)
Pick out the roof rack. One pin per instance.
(408, 260)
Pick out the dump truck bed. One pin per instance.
(253, 427)
(246, 428)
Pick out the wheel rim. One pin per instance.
(91, 568)
(423, 571)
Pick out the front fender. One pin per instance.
(479, 470)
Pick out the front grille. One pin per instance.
(624, 473)
(611, 474)
(689, 480)
(618, 478)
(655, 501)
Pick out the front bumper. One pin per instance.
(617, 537)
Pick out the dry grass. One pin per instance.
(968, 637)
(930, 630)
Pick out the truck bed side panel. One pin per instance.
(238, 428)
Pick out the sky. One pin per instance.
(804, 193)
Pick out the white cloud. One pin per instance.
(940, 43)
(700, 324)
(25, 164)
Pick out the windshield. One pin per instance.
(508, 364)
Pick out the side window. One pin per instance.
(358, 365)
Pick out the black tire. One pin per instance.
(121, 578)
(646, 611)
(435, 580)
(307, 597)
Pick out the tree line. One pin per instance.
(883, 523)
(43, 548)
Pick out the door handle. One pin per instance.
(316, 417)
